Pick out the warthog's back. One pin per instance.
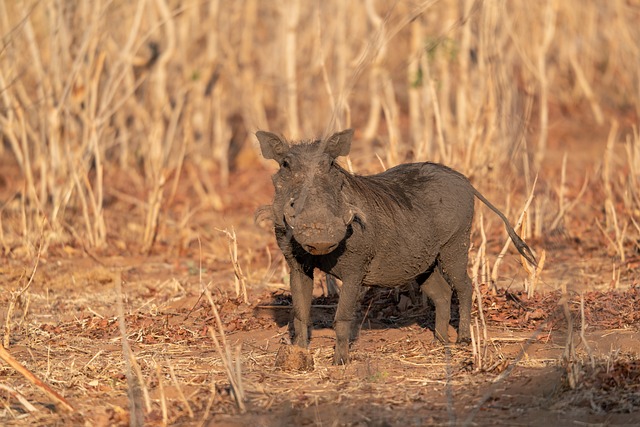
(411, 210)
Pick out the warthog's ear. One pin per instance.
(272, 145)
(339, 143)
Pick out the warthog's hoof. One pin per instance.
(294, 358)
(340, 360)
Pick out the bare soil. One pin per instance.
(399, 375)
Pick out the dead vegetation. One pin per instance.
(127, 150)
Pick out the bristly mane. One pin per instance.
(385, 194)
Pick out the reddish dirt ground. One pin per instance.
(399, 375)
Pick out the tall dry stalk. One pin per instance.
(291, 16)
(414, 83)
(549, 25)
(480, 342)
(631, 196)
(563, 207)
(370, 130)
(462, 88)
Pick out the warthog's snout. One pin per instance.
(318, 237)
(319, 221)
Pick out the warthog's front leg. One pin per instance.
(343, 325)
(301, 293)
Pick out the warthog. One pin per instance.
(410, 223)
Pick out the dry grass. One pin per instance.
(126, 139)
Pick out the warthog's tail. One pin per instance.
(521, 246)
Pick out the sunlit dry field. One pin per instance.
(136, 287)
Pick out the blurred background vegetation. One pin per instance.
(108, 103)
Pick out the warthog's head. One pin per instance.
(309, 202)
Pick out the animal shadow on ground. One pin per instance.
(380, 308)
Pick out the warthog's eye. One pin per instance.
(326, 164)
(285, 164)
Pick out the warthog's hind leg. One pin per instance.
(439, 292)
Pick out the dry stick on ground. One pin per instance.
(141, 382)
(569, 358)
(23, 400)
(481, 343)
(583, 328)
(15, 297)
(232, 370)
(534, 272)
(8, 358)
(475, 346)
(496, 265)
(479, 348)
(6, 341)
(136, 415)
(207, 409)
(615, 278)
(240, 279)
(180, 393)
(163, 398)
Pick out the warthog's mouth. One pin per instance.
(320, 248)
